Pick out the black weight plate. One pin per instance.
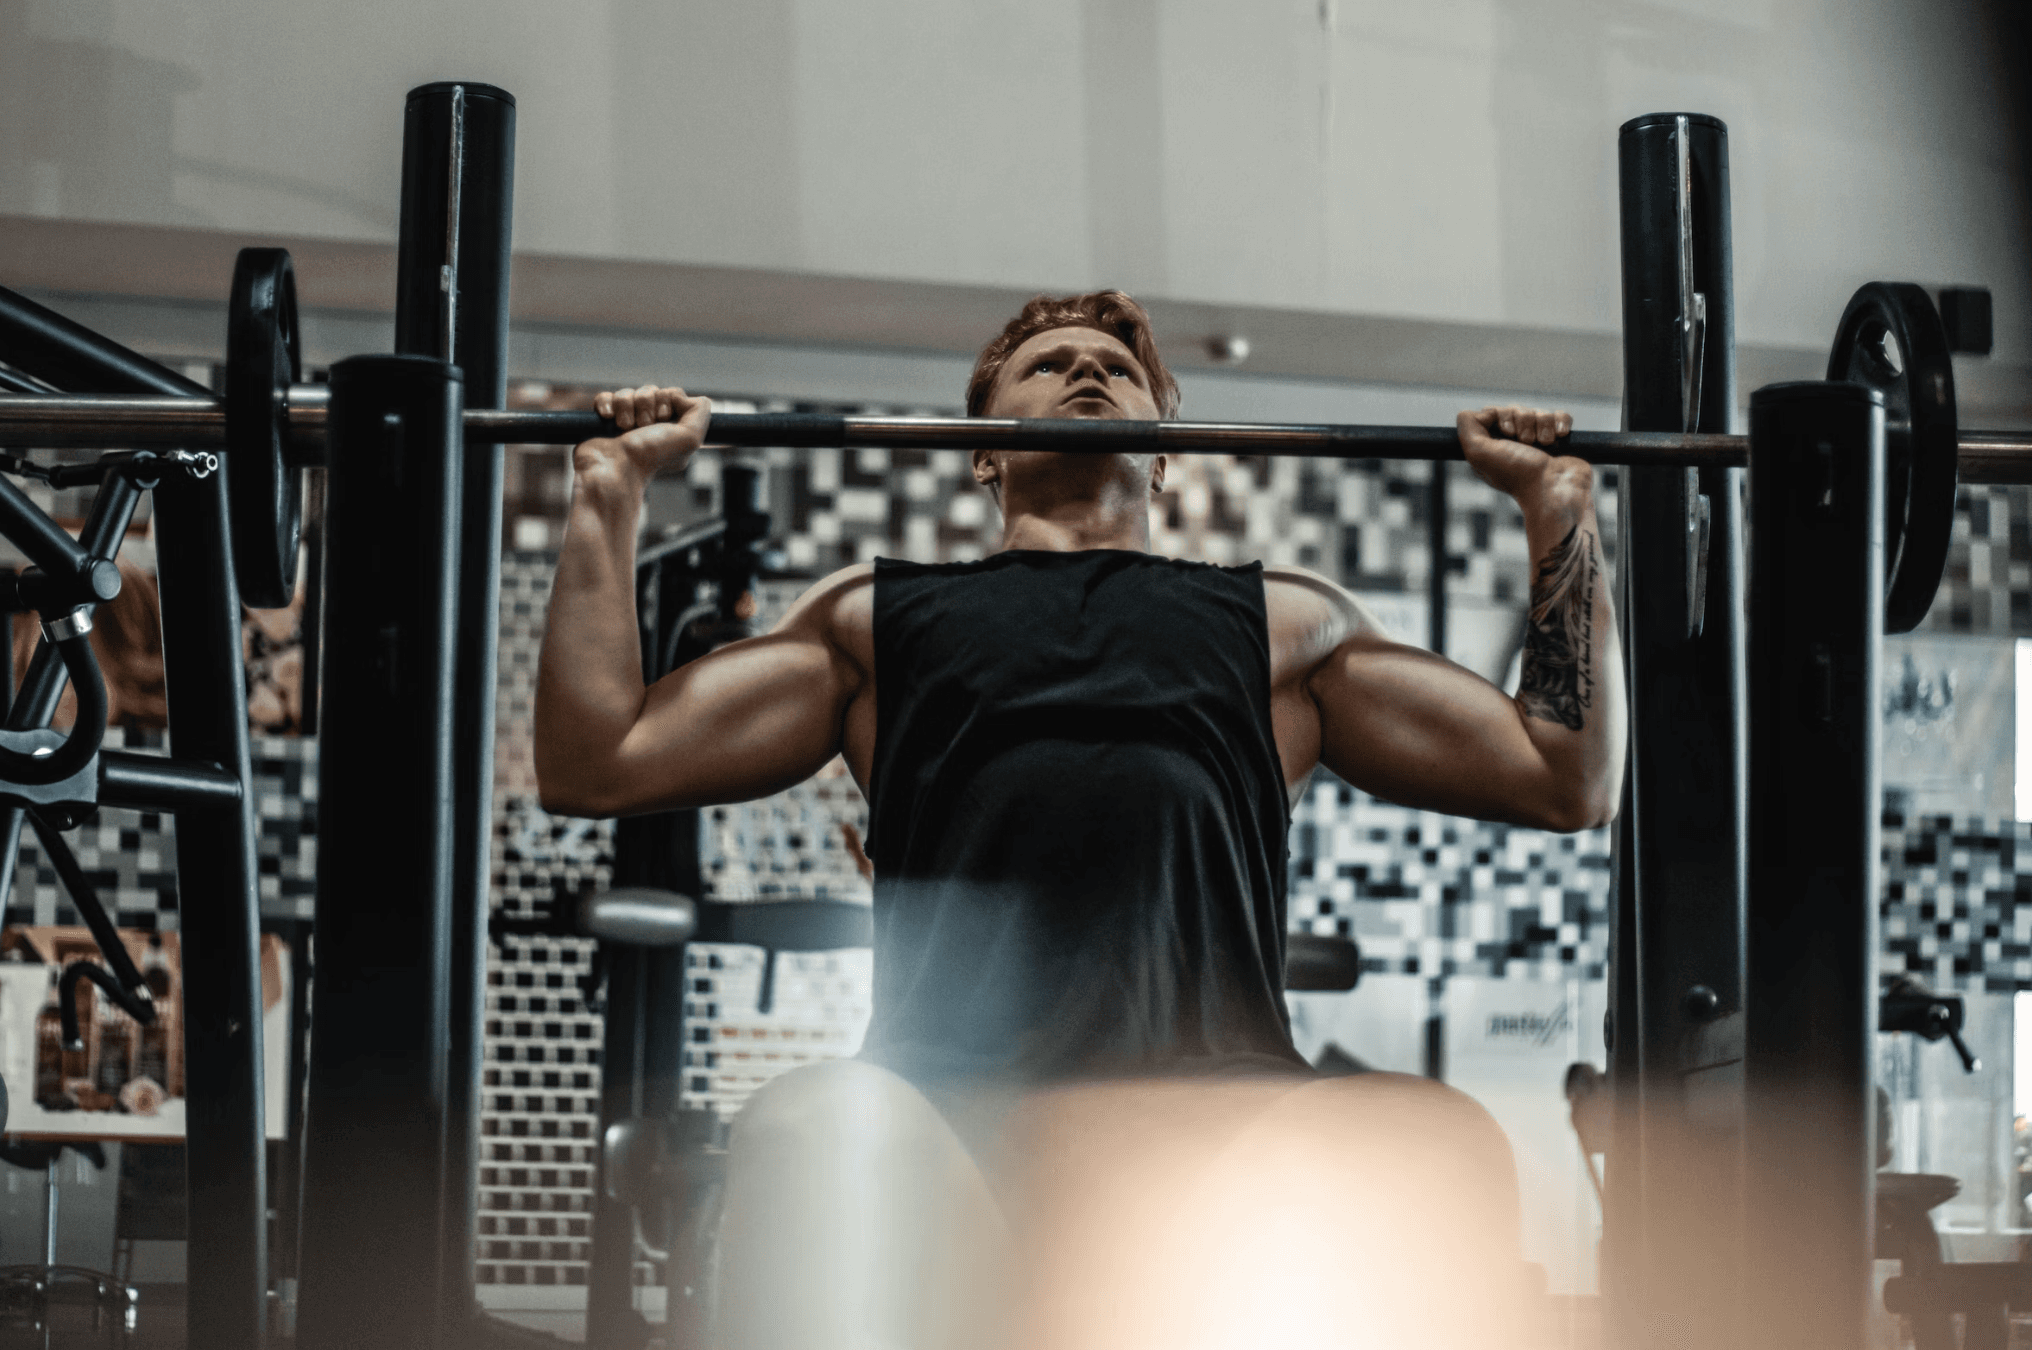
(263, 490)
(1891, 339)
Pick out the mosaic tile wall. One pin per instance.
(1434, 895)
(1988, 586)
(130, 856)
(1957, 908)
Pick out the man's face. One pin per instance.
(1073, 372)
(1070, 372)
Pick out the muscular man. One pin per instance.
(1080, 760)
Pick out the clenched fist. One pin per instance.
(660, 429)
(1502, 446)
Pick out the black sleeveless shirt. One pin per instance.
(1078, 821)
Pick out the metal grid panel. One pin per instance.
(540, 1116)
(540, 1108)
(819, 1012)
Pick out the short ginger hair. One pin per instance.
(1110, 312)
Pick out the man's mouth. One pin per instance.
(1093, 392)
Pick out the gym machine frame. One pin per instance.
(206, 782)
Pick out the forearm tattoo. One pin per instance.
(1558, 682)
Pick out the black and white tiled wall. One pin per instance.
(129, 857)
(1988, 586)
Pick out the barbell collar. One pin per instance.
(310, 407)
(64, 627)
(71, 421)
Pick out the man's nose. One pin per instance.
(1087, 367)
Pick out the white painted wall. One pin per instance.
(1447, 160)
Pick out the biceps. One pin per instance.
(1416, 729)
(750, 719)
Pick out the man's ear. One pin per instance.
(986, 472)
(1157, 475)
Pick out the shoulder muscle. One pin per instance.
(839, 609)
(1310, 616)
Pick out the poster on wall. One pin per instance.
(127, 642)
(126, 1081)
(1508, 1045)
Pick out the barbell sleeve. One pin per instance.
(1994, 457)
(125, 421)
(111, 421)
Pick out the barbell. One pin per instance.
(272, 426)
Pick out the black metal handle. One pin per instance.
(1322, 964)
(95, 583)
(133, 1002)
(86, 899)
(87, 733)
(1969, 1063)
(1909, 1006)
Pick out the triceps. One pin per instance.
(1559, 678)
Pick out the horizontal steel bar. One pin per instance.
(154, 783)
(1096, 436)
(1994, 457)
(123, 421)
(110, 421)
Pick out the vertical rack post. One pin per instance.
(374, 1140)
(219, 914)
(458, 188)
(1816, 627)
(1672, 1223)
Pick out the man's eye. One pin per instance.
(1043, 368)
(1123, 371)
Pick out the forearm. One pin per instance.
(589, 688)
(1571, 691)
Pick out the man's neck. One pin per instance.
(1077, 531)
